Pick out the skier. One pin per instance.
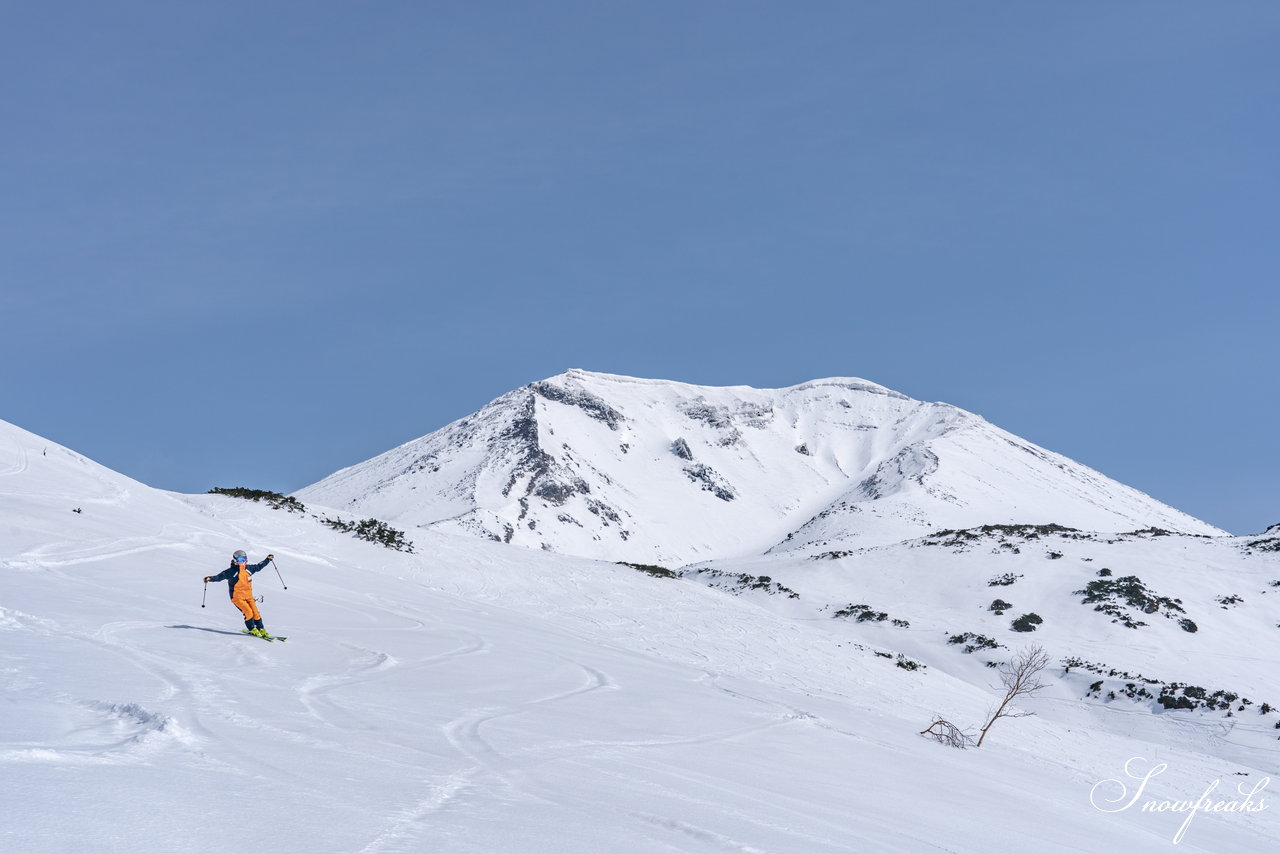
(240, 584)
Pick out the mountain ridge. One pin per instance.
(659, 471)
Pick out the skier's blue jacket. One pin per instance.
(232, 576)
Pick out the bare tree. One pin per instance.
(1021, 678)
(945, 732)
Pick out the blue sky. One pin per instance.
(252, 243)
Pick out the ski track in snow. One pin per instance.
(369, 665)
(515, 773)
(205, 700)
(20, 463)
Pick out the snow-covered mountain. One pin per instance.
(652, 471)
(471, 697)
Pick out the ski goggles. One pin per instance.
(242, 560)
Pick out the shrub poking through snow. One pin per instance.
(1027, 623)
(1169, 695)
(865, 614)
(945, 732)
(973, 642)
(374, 531)
(740, 582)
(274, 500)
(651, 569)
(1110, 595)
(1268, 545)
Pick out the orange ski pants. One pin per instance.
(247, 606)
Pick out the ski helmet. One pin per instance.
(239, 553)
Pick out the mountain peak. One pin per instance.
(584, 377)
(659, 471)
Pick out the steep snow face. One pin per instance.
(41, 481)
(41, 468)
(652, 471)
(976, 473)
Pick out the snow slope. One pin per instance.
(476, 697)
(660, 472)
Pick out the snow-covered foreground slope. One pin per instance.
(477, 697)
(1169, 614)
(650, 471)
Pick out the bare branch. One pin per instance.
(945, 732)
(1021, 678)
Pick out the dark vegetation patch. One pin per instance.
(274, 500)
(1150, 532)
(1003, 580)
(1115, 596)
(740, 582)
(865, 614)
(376, 531)
(372, 530)
(1168, 695)
(962, 539)
(651, 569)
(1027, 623)
(973, 642)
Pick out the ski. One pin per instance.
(264, 637)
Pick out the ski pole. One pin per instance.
(204, 594)
(278, 575)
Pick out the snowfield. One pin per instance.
(476, 696)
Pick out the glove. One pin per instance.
(206, 579)
(271, 557)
